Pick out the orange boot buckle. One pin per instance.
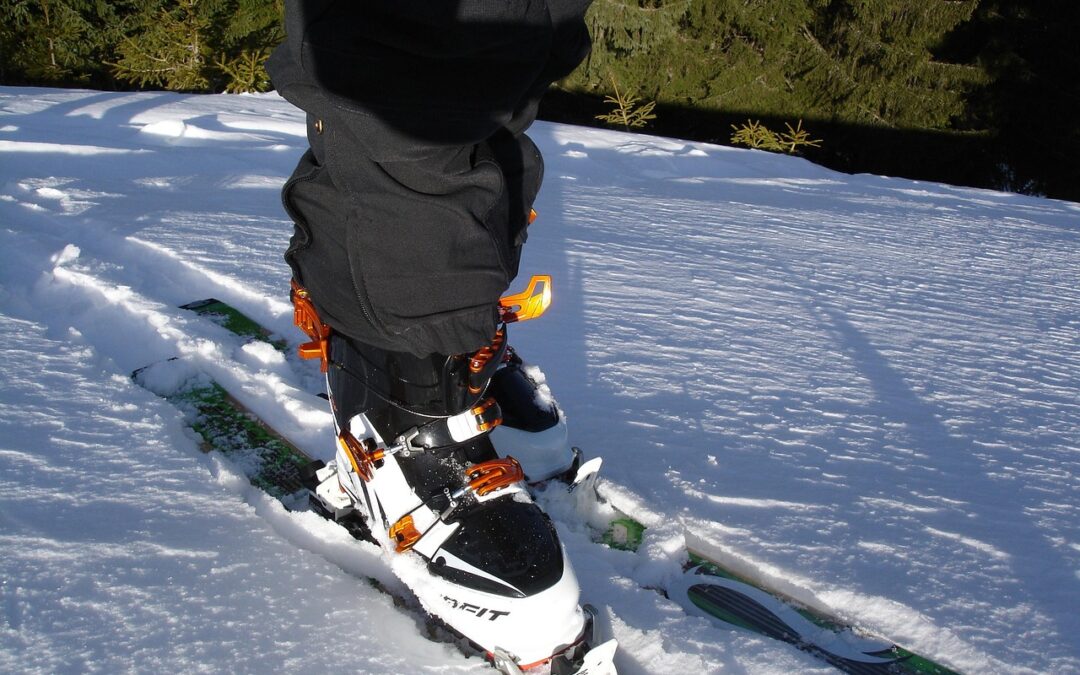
(307, 319)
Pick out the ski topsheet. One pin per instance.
(705, 589)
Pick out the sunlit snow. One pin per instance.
(860, 390)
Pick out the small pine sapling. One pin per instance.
(754, 134)
(628, 112)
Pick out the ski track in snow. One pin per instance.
(861, 390)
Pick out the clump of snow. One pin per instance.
(168, 377)
(69, 253)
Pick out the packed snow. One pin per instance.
(860, 390)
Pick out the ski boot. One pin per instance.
(415, 462)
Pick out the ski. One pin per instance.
(714, 592)
(706, 588)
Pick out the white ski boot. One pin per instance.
(416, 463)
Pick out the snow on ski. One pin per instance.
(708, 589)
(235, 321)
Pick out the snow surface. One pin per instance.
(859, 389)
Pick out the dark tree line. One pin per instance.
(991, 84)
(1029, 51)
(1000, 73)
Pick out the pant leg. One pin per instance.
(411, 255)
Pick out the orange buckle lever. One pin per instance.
(362, 454)
(495, 474)
(528, 304)
(307, 319)
(488, 415)
(480, 360)
(484, 354)
(404, 532)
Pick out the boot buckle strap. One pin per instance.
(478, 420)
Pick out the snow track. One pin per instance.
(861, 390)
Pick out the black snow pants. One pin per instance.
(412, 203)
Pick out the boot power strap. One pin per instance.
(478, 420)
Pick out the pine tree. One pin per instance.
(200, 45)
(55, 41)
(629, 40)
(878, 62)
(254, 28)
(628, 110)
(748, 51)
(719, 54)
(168, 45)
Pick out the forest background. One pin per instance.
(971, 92)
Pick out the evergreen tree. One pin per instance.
(200, 45)
(56, 41)
(750, 51)
(706, 53)
(254, 28)
(169, 44)
(628, 40)
(879, 64)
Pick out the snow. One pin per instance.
(861, 390)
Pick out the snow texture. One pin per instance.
(861, 390)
